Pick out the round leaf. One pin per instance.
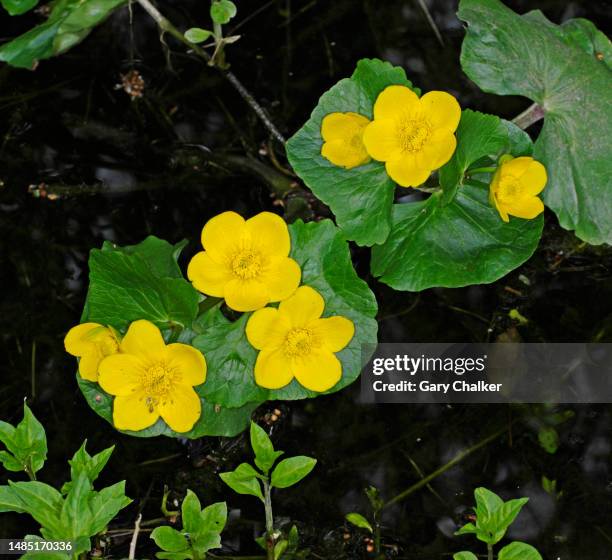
(360, 197)
(197, 35)
(169, 539)
(519, 551)
(221, 11)
(565, 70)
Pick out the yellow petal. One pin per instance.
(304, 306)
(208, 276)
(527, 208)
(272, 369)
(189, 361)
(76, 341)
(269, 234)
(381, 140)
(144, 340)
(345, 154)
(181, 409)
(534, 178)
(222, 236)
(334, 332)
(342, 126)
(246, 295)
(89, 363)
(439, 148)
(394, 101)
(515, 166)
(267, 328)
(132, 412)
(493, 197)
(120, 374)
(406, 171)
(319, 371)
(441, 109)
(282, 277)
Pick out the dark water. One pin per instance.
(67, 126)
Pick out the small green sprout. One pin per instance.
(246, 479)
(493, 517)
(221, 12)
(201, 531)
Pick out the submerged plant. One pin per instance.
(201, 531)
(71, 516)
(259, 480)
(493, 517)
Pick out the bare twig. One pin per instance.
(167, 27)
(134, 540)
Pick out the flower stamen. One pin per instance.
(247, 264)
(413, 134)
(299, 342)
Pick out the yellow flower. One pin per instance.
(295, 342)
(515, 186)
(91, 342)
(343, 139)
(150, 379)
(412, 136)
(245, 262)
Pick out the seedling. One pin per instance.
(201, 531)
(493, 517)
(259, 482)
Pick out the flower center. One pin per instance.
(299, 342)
(413, 134)
(157, 380)
(247, 264)
(509, 190)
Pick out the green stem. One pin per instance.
(529, 116)
(489, 552)
(455, 460)
(269, 520)
(29, 470)
(218, 57)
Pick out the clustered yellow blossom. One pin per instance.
(413, 136)
(515, 187)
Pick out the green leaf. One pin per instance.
(174, 555)
(504, 516)
(360, 198)
(279, 548)
(215, 420)
(478, 136)
(519, 551)
(69, 23)
(557, 67)
(290, 471)
(464, 555)
(191, 511)
(243, 480)
(451, 245)
(323, 254)
(548, 438)
(84, 462)
(127, 284)
(265, 456)
(197, 35)
(41, 501)
(75, 516)
(359, 521)
(105, 505)
(222, 11)
(169, 539)
(26, 443)
(214, 517)
(467, 529)
(18, 7)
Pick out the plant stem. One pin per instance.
(456, 459)
(29, 470)
(269, 520)
(529, 116)
(489, 552)
(167, 27)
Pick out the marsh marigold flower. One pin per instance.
(295, 342)
(343, 139)
(151, 379)
(91, 343)
(245, 262)
(412, 136)
(515, 186)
